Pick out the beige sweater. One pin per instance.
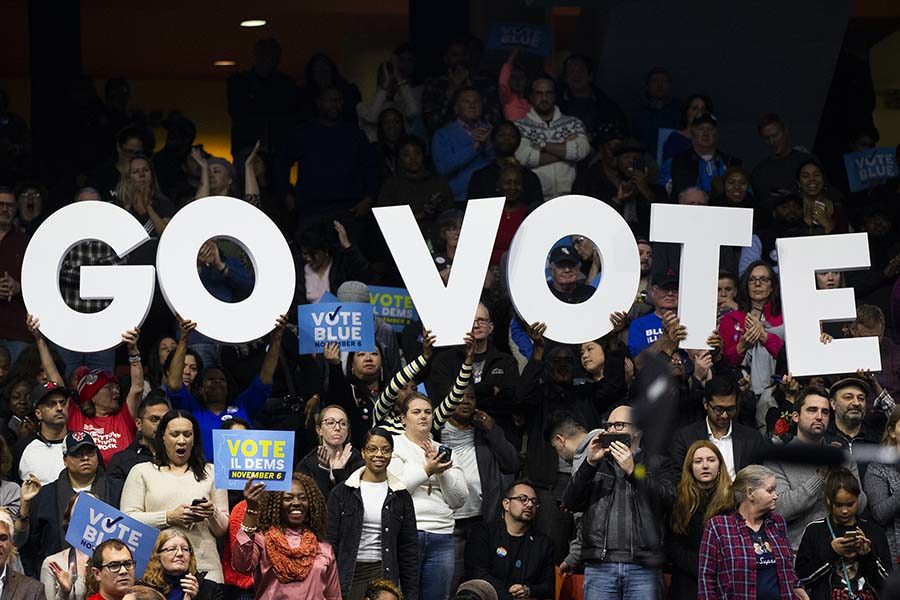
(149, 493)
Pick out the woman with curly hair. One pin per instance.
(282, 542)
(703, 492)
(172, 569)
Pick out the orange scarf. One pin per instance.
(291, 564)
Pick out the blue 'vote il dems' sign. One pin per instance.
(265, 456)
(93, 522)
(349, 324)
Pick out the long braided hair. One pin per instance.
(270, 507)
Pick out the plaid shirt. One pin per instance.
(90, 253)
(728, 562)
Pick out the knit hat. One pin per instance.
(353, 291)
(480, 587)
(93, 382)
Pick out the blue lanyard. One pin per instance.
(853, 595)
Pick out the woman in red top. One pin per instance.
(753, 335)
(509, 184)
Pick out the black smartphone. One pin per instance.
(608, 438)
(446, 451)
(639, 164)
(198, 502)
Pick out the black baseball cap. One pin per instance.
(40, 392)
(564, 254)
(76, 440)
(705, 117)
(669, 279)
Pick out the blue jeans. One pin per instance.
(620, 581)
(436, 562)
(14, 347)
(105, 360)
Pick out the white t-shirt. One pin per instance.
(44, 459)
(373, 495)
(463, 443)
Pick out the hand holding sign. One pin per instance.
(333, 353)
(186, 326)
(256, 454)
(469, 343)
(428, 340)
(278, 332)
(253, 494)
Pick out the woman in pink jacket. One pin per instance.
(753, 335)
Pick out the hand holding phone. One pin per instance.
(445, 453)
(608, 438)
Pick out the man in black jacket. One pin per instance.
(698, 165)
(516, 560)
(623, 494)
(740, 445)
(44, 511)
(494, 373)
(149, 413)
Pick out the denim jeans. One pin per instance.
(436, 562)
(620, 581)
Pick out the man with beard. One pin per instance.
(552, 143)
(505, 139)
(853, 425)
(801, 486)
(41, 453)
(787, 214)
(509, 554)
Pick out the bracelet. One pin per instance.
(246, 529)
(250, 511)
(136, 358)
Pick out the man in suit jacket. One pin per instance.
(738, 443)
(14, 586)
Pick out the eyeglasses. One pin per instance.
(374, 450)
(115, 567)
(762, 280)
(526, 500)
(335, 423)
(8, 205)
(616, 425)
(482, 321)
(721, 410)
(176, 550)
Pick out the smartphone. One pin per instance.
(608, 438)
(639, 164)
(14, 423)
(851, 534)
(198, 501)
(447, 451)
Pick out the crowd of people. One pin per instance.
(505, 468)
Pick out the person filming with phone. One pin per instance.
(841, 553)
(623, 493)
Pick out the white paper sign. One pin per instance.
(804, 306)
(702, 230)
(129, 287)
(531, 296)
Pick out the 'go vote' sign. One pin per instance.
(265, 456)
(94, 522)
(351, 325)
(393, 305)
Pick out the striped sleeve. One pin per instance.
(448, 406)
(384, 406)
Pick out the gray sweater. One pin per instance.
(801, 494)
(883, 486)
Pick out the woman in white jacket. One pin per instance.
(437, 487)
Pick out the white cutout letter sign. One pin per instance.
(531, 296)
(701, 230)
(449, 310)
(804, 306)
(257, 235)
(129, 287)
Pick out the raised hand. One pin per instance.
(209, 255)
(469, 343)
(185, 327)
(198, 157)
(34, 327)
(483, 420)
(253, 493)
(343, 238)
(619, 321)
(595, 451)
(715, 342)
(62, 577)
(324, 456)
(433, 464)
(252, 157)
(130, 339)
(428, 340)
(340, 459)
(280, 323)
(332, 352)
(536, 333)
(30, 488)
(623, 456)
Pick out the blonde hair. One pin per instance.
(749, 478)
(690, 494)
(154, 575)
